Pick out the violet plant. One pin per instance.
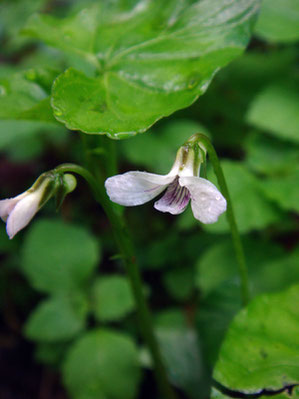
(124, 66)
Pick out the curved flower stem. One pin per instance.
(127, 253)
(200, 138)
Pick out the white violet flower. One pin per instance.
(17, 212)
(182, 184)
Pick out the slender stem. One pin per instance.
(230, 217)
(124, 243)
(111, 156)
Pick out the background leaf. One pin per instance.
(58, 257)
(102, 364)
(269, 155)
(25, 96)
(270, 267)
(183, 359)
(253, 211)
(278, 21)
(112, 298)
(214, 313)
(276, 110)
(284, 190)
(57, 319)
(179, 282)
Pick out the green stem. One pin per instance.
(111, 156)
(126, 248)
(230, 217)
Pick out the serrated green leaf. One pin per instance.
(276, 110)
(57, 319)
(278, 21)
(268, 329)
(102, 364)
(252, 209)
(25, 96)
(59, 257)
(151, 58)
(112, 298)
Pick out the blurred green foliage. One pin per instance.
(64, 277)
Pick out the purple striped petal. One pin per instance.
(174, 200)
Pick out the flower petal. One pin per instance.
(174, 200)
(7, 205)
(22, 213)
(207, 202)
(136, 188)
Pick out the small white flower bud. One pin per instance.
(17, 212)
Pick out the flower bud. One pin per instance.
(17, 212)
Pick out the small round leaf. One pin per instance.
(103, 364)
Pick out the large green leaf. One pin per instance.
(261, 348)
(112, 298)
(152, 58)
(59, 257)
(102, 364)
(276, 110)
(279, 21)
(57, 318)
(25, 95)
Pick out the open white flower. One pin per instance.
(17, 212)
(182, 184)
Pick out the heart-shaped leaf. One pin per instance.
(151, 59)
